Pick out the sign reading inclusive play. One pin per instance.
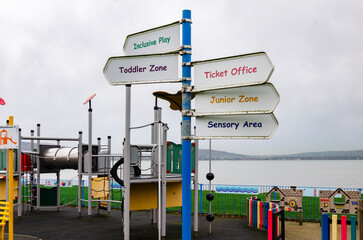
(152, 68)
(241, 70)
(241, 100)
(156, 40)
(236, 126)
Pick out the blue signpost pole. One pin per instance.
(186, 127)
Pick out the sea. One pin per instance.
(305, 173)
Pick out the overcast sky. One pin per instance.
(52, 55)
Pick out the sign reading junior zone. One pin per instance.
(241, 100)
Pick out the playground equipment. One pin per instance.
(339, 201)
(325, 227)
(4, 217)
(157, 190)
(266, 216)
(287, 199)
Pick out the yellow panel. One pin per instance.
(3, 189)
(173, 194)
(100, 187)
(144, 195)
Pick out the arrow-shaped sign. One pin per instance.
(157, 40)
(258, 126)
(241, 70)
(153, 68)
(242, 100)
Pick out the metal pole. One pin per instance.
(210, 182)
(10, 169)
(58, 190)
(7, 174)
(196, 185)
(20, 198)
(126, 168)
(159, 180)
(163, 171)
(99, 148)
(108, 167)
(186, 128)
(155, 137)
(89, 170)
(80, 173)
(38, 168)
(32, 172)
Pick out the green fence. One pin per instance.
(223, 204)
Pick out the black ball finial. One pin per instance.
(210, 176)
(210, 217)
(210, 196)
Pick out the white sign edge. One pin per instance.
(140, 82)
(230, 58)
(196, 114)
(150, 30)
(240, 137)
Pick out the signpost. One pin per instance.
(156, 40)
(242, 100)
(139, 69)
(233, 99)
(241, 70)
(257, 126)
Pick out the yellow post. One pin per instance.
(334, 230)
(11, 187)
(258, 214)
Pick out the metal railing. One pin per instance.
(228, 199)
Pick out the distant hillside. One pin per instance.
(222, 155)
(327, 155)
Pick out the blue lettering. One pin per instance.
(252, 124)
(211, 124)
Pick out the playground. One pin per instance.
(115, 197)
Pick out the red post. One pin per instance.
(269, 225)
(251, 212)
(261, 215)
(344, 227)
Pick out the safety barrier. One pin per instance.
(325, 227)
(266, 216)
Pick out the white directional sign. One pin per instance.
(9, 137)
(256, 126)
(157, 40)
(242, 100)
(241, 70)
(139, 69)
